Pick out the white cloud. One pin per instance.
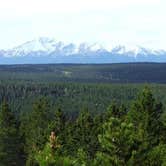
(26, 7)
(105, 21)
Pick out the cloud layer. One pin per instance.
(110, 22)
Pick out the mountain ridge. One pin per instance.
(46, 50)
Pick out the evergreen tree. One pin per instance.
(84, 133)
(117, 141)
(9, 138)
(58, 121)
(50, 156)
(146, 115)
(35, 129)
(81, 159)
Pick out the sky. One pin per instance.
(108, 22)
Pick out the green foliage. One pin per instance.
(125, 134)
(35, 128)
(107, 73)
(49, 156)
(85, 132)
(81, 158)
(136, 139)
(9, 138)
(45, 157)
(58, 122)
(157, 156)
(117, 142)
(146, 115)
(115, 111)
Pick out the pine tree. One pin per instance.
(9, 138)
(50, 156)
(146, 115)
(84, 133)
(35, 129)
(117, 143)
(57, 123)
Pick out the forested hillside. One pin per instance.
(63, 115)
(103, 73)
(73, 97)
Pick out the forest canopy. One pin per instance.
(131, 134)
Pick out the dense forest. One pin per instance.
(119, 135)
(73, 97)
(79, 115)
(103, 73)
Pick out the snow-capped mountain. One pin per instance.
(48, 50)
(47, 46)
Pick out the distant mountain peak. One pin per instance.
(41, 44)
(51, 48)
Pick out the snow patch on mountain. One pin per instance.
(44, 46)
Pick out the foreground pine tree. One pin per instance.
(9, 140)
(146, 116)
(50, 156)
(35, 128)
(117, 142)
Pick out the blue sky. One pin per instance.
(109, 22)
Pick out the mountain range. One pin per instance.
(47, 50)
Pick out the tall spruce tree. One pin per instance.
(84, 135)
(35, 129)
(146, 115)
